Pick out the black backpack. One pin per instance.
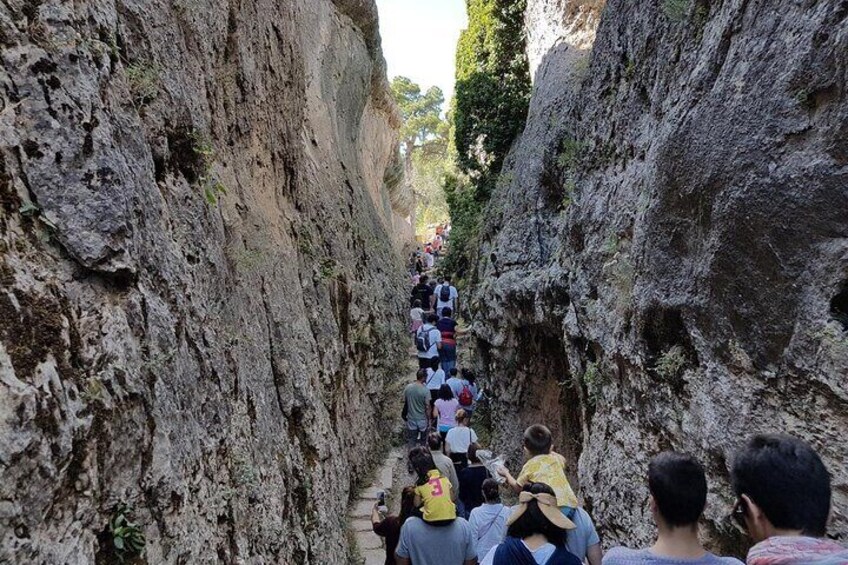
(422, 339)
(445, 293)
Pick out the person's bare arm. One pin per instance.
(510, 481)
(435, 413)
(471, 561)
(594, 554)
(402, 560)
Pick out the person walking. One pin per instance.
(443, 462)
(458, 439)
(428, 342)
(488, 521)
(446, 297)
(783, 497)
(471, 480)
(444, 411)
(678, 488)
(447, 327)
(416, 403)
(390, 526)
(536, 532)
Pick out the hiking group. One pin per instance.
(454, 514)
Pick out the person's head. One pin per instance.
(445, 392)
(782, 486)
(538, 516)
(421, 375)
(422, 462)
(423, 279)
(472, 451)
(461, 417)
(432, 284)
(453, 372)
(678, 489)
(434, 441)
(491, 491)
(434, 363)
(407, 503)
(416, 303)
(440, 280)
(537, 440)
(447, 281)
(432, 318)
(447, 312)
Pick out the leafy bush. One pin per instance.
(491, 101)
(127, 538)
(671, 362)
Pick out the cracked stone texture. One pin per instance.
(200, 281)
(664, 264)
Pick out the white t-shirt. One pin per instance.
(435, 379)
(459, 438)
(435, 337)
(451, 303)
(415, 314)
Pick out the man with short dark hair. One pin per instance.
(678, 490)
(783, 501)
(416, 400)
(423, 292)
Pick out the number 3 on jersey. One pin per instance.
(437, 487)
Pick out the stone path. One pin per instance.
(371, 546)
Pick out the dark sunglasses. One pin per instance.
(740, 510)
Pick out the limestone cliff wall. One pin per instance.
(199, 277)
(664, 264)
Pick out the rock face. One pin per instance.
(665, 264)
(200, 283)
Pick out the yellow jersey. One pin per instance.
(436, 494)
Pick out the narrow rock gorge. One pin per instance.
(665, 262)
(201, 227)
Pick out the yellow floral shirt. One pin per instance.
(436, 495)
(549, 469)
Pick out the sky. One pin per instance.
(419, 40)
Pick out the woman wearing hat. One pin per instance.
(536, 532)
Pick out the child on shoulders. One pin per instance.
(432, 489)
(543, 466)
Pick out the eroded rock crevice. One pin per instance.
(680, 191)
(200, 276)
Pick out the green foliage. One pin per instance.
(593, 380)
(143, 79)
(569, 155)
(329, 269)
(492, 88)
(212, 186)
(676, 10)
(429, 170)
(422, 122)
(491, 102)
(466, 217)
(671, 362)
(127, 538)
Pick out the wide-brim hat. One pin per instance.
(547, 504)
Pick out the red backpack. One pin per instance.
(465, 396)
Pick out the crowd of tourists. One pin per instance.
(454, 514)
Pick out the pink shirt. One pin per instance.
(447, 411)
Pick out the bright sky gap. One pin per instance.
(419, 40)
